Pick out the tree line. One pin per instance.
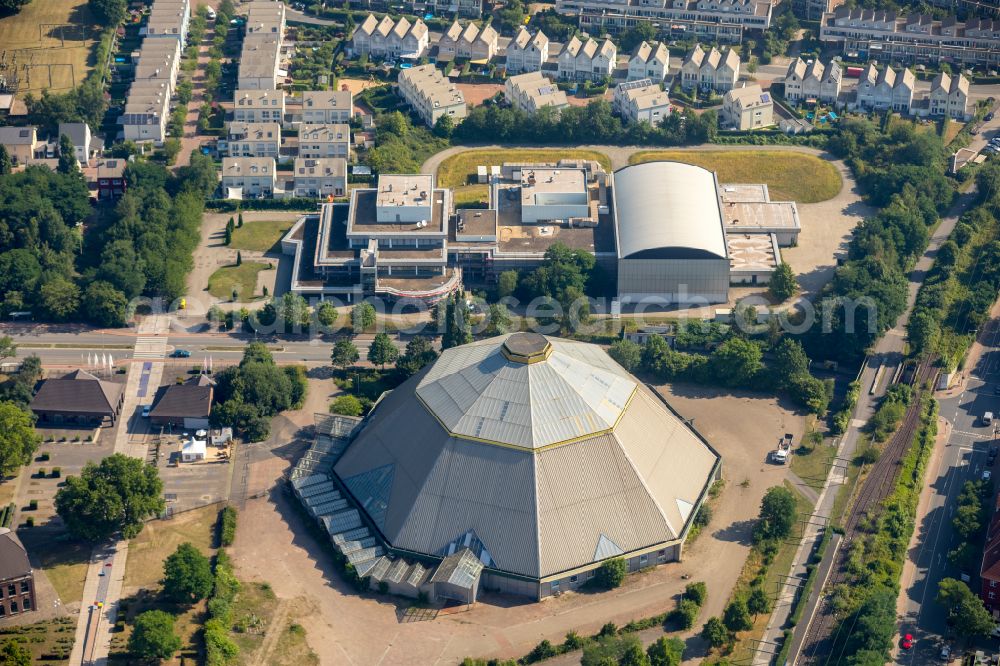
(141, 247)
(902, 172)
(593, 123)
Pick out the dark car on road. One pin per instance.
(180, 353)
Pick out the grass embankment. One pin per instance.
(260, 235)
(812, 459)
(789, 175)
(459, 171)
(55, 39)
(242, 278)
(160, 538)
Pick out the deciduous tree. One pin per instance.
(116, 495)
(187, 575)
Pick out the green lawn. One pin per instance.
(260, 235)
(460, 169)
(159, 538)
(812, 462)
(64, 562)
(789, 175)
(243, 278)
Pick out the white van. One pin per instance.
(988, 418)
(210, 13)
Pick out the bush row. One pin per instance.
(227, 526)
(220, 650)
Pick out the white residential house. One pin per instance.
(468, 43)
(532, 91)
(747, 108)
(579, 61)
(527, 52)
(950, 96)
(254, 140)
(431, 95)
(390, 39)
(244, 177)
(641, 100)
(259, 106)
(865, 91)
(813, 80)
(79, 135)
(319, 141)
(320, 177)
(327, 106)
(712, 70)
(649, 61)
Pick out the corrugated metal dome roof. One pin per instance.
(530, 510)
(526, 391)
(668, 210)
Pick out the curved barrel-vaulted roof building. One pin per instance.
(670, 235)
(541, 455)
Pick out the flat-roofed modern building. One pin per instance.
(540, 455)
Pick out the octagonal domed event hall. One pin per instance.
(541, 455)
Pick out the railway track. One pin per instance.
(817, 647)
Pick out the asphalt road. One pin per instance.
(964, 458)
(76, 346)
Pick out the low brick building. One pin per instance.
(17, 580)
(186, 405)
(78, 398)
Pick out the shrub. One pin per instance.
(56, 472)
(542, 651)
(347, 405)
(227, 526)
(611, 573)
(696, 592)
(33, 505)
(685, 614)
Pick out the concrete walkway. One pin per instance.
(106, 572)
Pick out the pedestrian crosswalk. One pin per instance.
(150, 347)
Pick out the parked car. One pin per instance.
(987, 418)
(988, 117)
(146, 409)
(945, 653)
(180, 353)
(907, 642)
(987, 475)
